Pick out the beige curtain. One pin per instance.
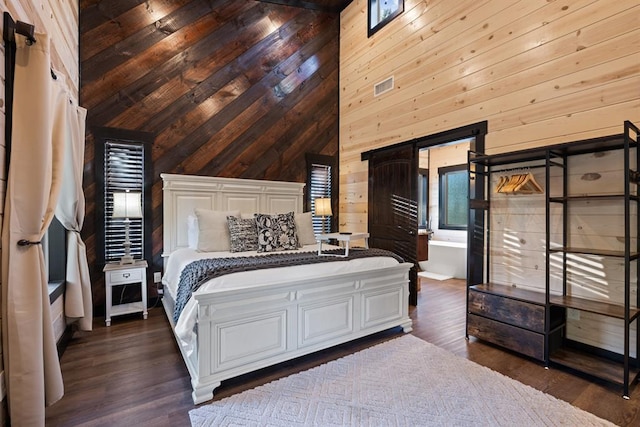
(70, 127)
(32, 368)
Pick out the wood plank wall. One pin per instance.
(233, 88)
(540, 72)
(59, 19)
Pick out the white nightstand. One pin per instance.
(116, 274)
(342, 238)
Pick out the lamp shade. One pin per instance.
(127, 204)
(323, 207)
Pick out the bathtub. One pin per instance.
(446, 260)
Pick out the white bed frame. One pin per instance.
(243, 330)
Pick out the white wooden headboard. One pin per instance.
(181, 194)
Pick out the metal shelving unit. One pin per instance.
(626, 370)
(557, 348)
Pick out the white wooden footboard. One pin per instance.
(243, 330)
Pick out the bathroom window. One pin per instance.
(454, 197)
(423, 198)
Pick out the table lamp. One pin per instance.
(323, 208)
(127, 205)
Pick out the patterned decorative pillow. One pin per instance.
(276, 232)
(243, 234)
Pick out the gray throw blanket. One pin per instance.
(198, 272)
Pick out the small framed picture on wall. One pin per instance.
(381, 12)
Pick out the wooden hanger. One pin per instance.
(520, 183)
(502, 180)
(529, 185)
(512, 182)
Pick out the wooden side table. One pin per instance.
(343, 238)
(116, 274)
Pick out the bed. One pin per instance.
(244, 321)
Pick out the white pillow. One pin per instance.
(304, 228)
(213, 230)
(192, 231)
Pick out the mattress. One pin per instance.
(185, 328)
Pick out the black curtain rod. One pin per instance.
(12, 27)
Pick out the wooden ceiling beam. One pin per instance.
(328, 6)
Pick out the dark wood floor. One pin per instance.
(132, 374)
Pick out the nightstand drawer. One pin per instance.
(125, 276)
(130, 275)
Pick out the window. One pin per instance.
(454, 197)
(320, 187)
(381, 12)
(423, 198)
(54, 246)
(321, 184)
(123, 163)
(123, 170)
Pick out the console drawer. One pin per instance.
(508, 336)
(514, 312)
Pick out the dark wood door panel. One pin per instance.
(393, 207)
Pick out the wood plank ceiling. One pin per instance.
(235, 88)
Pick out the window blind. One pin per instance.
(320, 186)
(123, 170)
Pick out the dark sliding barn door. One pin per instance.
(393, 208)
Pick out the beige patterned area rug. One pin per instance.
(402, 382)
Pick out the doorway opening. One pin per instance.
(443, 194)
(393, 218)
